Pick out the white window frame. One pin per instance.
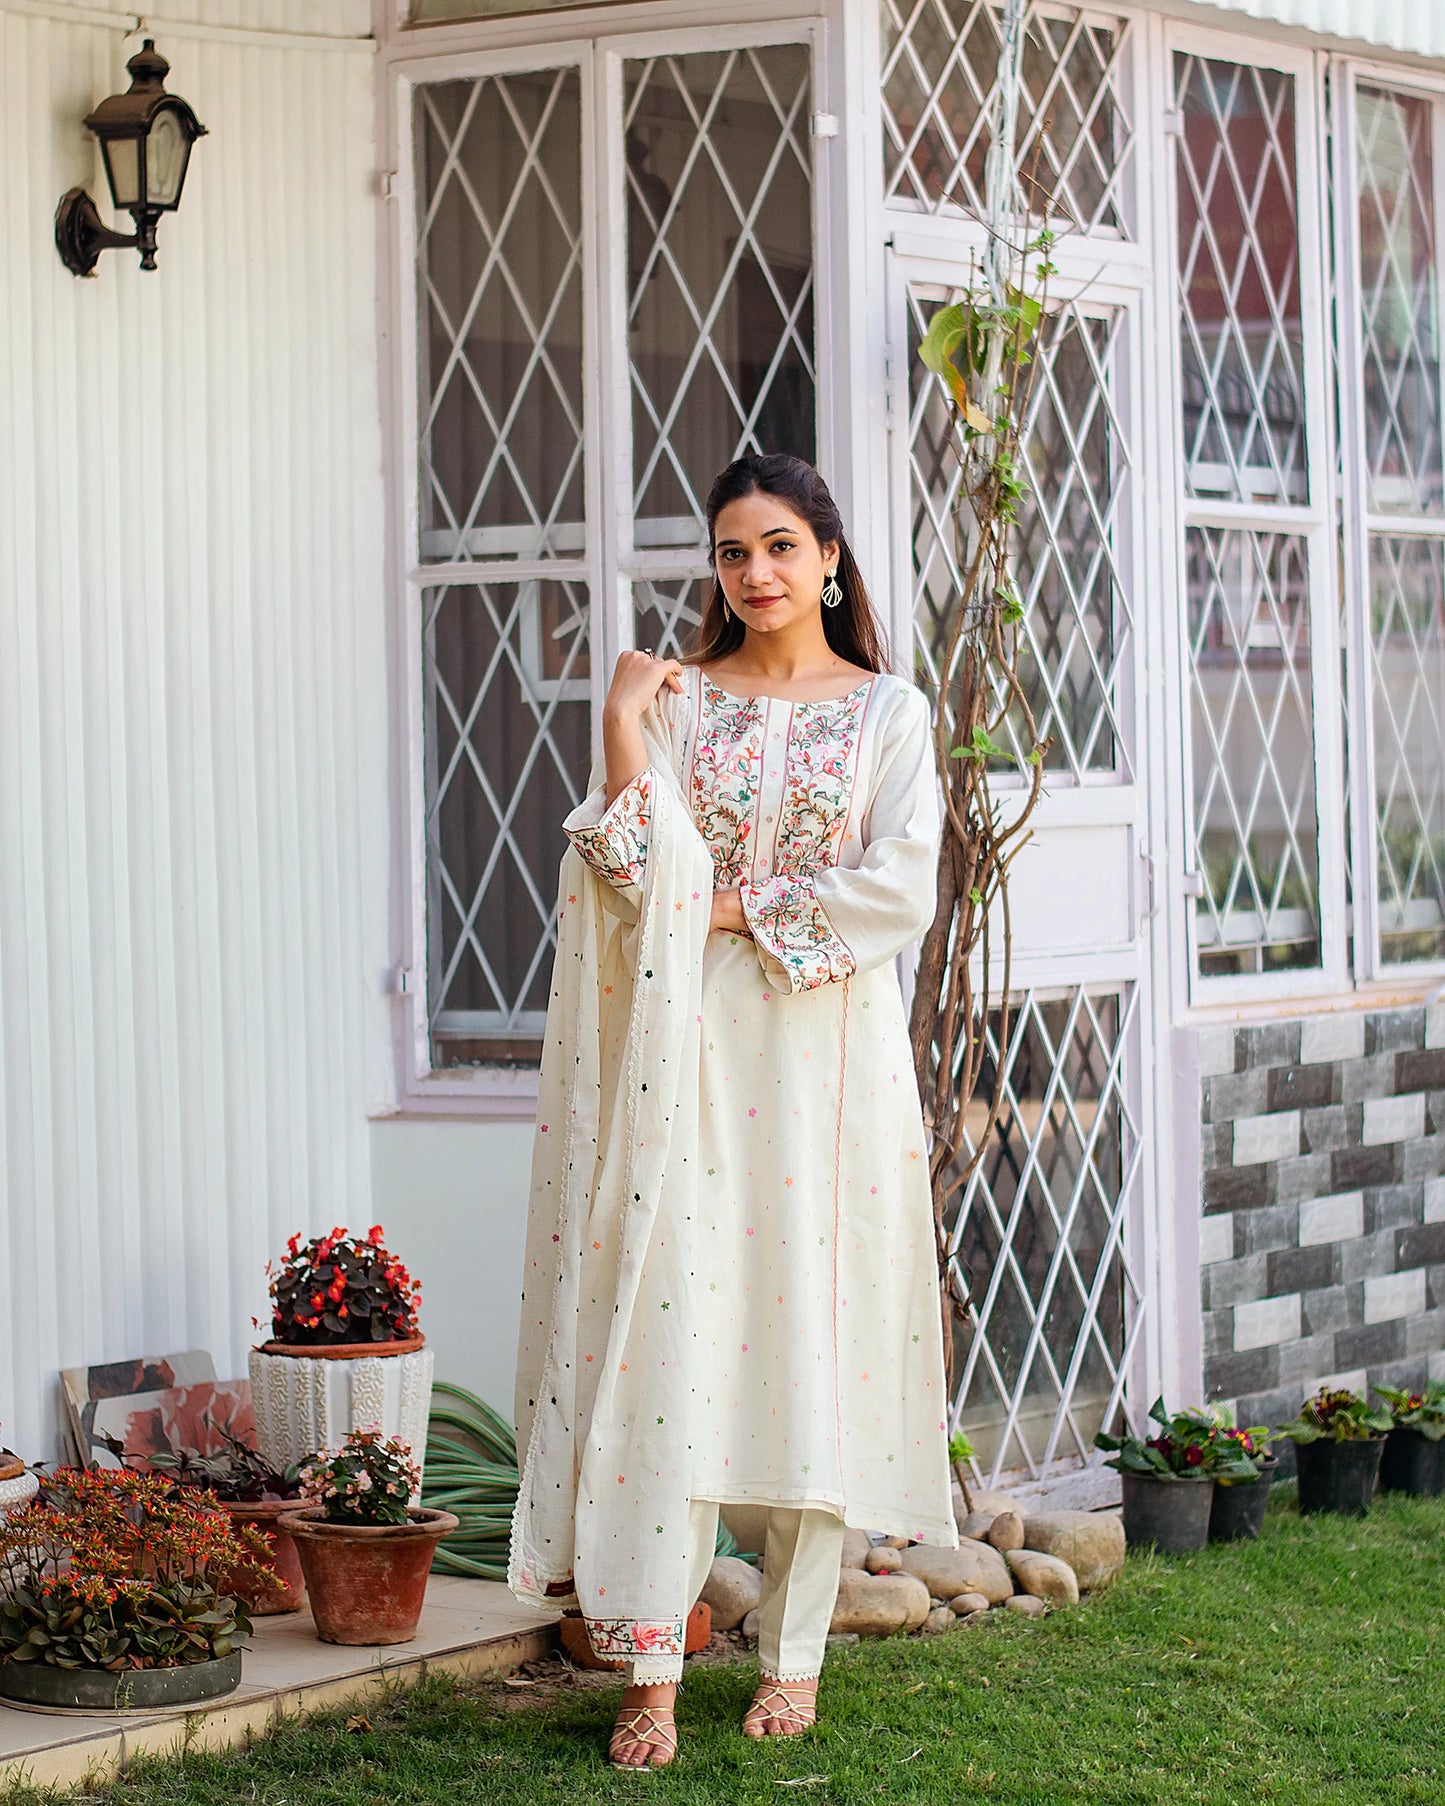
(1358, 523)
(410, 57)
(1315, 522)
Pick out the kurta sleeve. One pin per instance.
(612, 837)
(814, 929)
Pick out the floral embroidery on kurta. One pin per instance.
(615, 845)
(788, 922)
(726, 764)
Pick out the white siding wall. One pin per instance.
(193, 786)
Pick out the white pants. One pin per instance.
(801, 1559)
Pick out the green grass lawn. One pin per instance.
(1306, 1668)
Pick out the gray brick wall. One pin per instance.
(1323, 1239)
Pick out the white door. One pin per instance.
(1049, 1234)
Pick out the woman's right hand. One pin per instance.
(636, 679)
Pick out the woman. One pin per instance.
(730, 1290)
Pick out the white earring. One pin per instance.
(832, 594)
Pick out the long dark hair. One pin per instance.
(852, 628)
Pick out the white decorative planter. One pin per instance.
(308, 1398)
(16, 1493)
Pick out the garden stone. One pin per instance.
(971, 1568)
(1091, 1542)
(965, 1605)
(991, 1502)
(895, 1542)
(1026, 1605)
(732, 1589)
(842, 1639)
(877, 1605)
(749, 1626)
(1006, 1532)
(884, 1560)
(940, 1618)
(855, 1548)
(1044, 1576)
(976, 1525)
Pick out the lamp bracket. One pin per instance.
(81, 234)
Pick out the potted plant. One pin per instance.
(364, 1550)
(1243, 1468)
(1414, 1455)
(18, 1485)
(1338, 1442)
(114, 1596)
(251, 1492)
(345, 1349)
(1167, 1480)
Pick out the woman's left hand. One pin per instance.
(727, 912)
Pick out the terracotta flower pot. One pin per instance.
(287, 1592)
(367, 1582)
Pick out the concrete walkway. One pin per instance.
(469, 1627)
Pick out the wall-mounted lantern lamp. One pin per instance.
(145, 138)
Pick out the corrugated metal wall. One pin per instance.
(192, 697)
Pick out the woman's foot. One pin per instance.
(782, 1708)
(645, 1735)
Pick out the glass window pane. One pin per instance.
(1399, 303)
(499, 270)
(940, 85)
(1407, 640)
(1078, 616)
(1040, 1239)
(1241, 340)
(507, 753)
(1252, 729)
(719, 274)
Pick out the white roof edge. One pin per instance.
(1416, 27)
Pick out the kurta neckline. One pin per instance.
(797, 702)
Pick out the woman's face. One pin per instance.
(769, 563)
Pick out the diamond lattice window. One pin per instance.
(1251, 723)
(716, 265)
(1241, 337)
(499, 257)
(1407, 646)
(1399, 303)
(940, 87)
(720, 274)
(1401, 455)
(1078, 616)
(1042, 1238)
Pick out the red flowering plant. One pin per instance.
(367, 1481)
(1190, 1445)
(1337, 1416)
(113, 1570)
(342, 1288)
(1422, 1411)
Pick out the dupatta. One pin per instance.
(604, 1376)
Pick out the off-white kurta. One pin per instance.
(730, 1289)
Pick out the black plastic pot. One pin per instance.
(1338, 1476)
(143, 1689)
(1412, 1463)
(1172, 1515)
(1236, 1513)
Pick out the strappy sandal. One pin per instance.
(777, 1699)
(657, 1736)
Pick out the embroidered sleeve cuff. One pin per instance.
(612, 837)
(794, 938)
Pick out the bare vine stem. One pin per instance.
(983, 349)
